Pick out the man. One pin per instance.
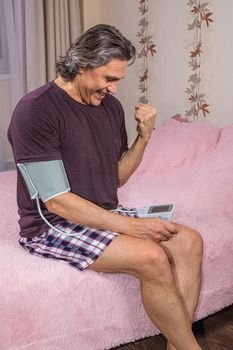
(76, 119)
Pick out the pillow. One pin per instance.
(176, 144)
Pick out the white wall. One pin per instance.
(220, 57)
(170, 66)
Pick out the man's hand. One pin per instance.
(145, 116)
(154, 229)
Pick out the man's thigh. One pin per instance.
(124, 254)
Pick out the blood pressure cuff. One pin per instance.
(46, 179)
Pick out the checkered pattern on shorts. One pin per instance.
(79, 251)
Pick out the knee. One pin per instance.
(192, 245)
(152, 262)
(196, 245)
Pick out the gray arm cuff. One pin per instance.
(46, 179)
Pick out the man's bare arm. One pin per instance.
(83, 212)
(145, 116)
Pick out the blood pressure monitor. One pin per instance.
(163, 212)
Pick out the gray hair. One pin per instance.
(94, 48)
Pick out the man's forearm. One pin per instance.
(131, 160)
(83, 212)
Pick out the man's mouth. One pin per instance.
(101, 94)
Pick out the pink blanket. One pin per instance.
(49, 305)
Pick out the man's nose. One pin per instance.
(112, 88)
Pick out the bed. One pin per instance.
(48, 305)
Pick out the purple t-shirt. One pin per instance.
(48, 124)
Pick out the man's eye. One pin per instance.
(110, 79)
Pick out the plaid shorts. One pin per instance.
(80, 250)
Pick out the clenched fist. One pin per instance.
(145, 116)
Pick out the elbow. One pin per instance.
(122, 182)
(55, 204)
(51, 205)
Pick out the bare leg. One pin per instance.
(186, 267)
(147, 261)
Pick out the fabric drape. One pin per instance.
(51, 26)
(38, 32)
(14, 20)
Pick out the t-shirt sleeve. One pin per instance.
(34, 132)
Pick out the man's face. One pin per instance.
(93, 84)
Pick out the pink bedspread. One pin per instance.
(49, 305)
